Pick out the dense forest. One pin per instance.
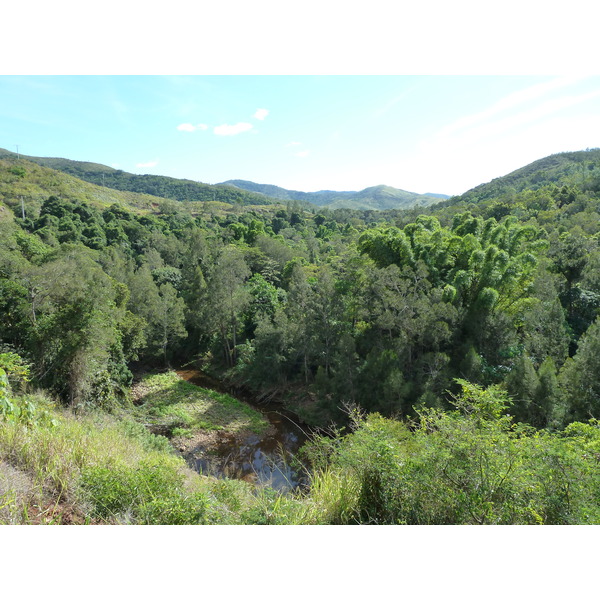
(447, 356)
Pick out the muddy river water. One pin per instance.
(269, 459)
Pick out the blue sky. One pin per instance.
(441, 134)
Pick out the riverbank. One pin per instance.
(58, 466)
(98, 468)
(168, 404)
(218, 434)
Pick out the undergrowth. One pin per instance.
(472, 465)
(106, 470)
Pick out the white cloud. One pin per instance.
(232, 129)
(152, 163)
(190, 127)
(509, 102)
(491, 129)
(302, 153)
(260, 114)
(186, 127)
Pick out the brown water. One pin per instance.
(269, 459)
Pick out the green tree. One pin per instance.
(170, 317)
(579, 377)
(543, 412)
(522, 384)
(76, 318)
(227, 299)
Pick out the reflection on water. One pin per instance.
(266, 460)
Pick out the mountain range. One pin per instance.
(234, 191)
(155, 185)
(143, 190)
(379, 197)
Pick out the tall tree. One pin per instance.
(579, 377)
(227, 298)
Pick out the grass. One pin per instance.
(174, 405)
(40, 182)
(95, 468)
(100, 468)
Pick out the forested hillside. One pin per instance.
(380, 197)
(452, 352)
(155, 185)
(578, 168)
(235, 192)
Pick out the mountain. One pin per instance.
(155, 185)
(26, 184)
(566, 168)
(380, 197)
(235, 191)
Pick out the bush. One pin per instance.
(149, 441)
(468, 466)
(134, 492)
(179, 509)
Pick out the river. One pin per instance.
(268, 460)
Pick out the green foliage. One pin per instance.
(18, 171)
(381, 310)
(151, 493)
(579, 377)
(176, 509)
(174, 405)
(140, 433)
(289, 309)
(470, 466)
(387, 247)
(13, 366)
(19, 408)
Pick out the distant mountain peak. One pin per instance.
(377, 197)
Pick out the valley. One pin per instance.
(410, 359)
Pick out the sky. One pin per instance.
(421, 133)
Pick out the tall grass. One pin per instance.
(102, 469)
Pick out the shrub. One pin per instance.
(178, 509)
(122, 490)
(467, 466)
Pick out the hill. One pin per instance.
(450, 358)
(380, 197)
(566, 168)
(155, 185)
(235, 191)
(26, 183)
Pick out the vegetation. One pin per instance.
(175, 406)
(380, 197)
(236, 192)
(454, 346)
(154, 185)
(472, 465)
